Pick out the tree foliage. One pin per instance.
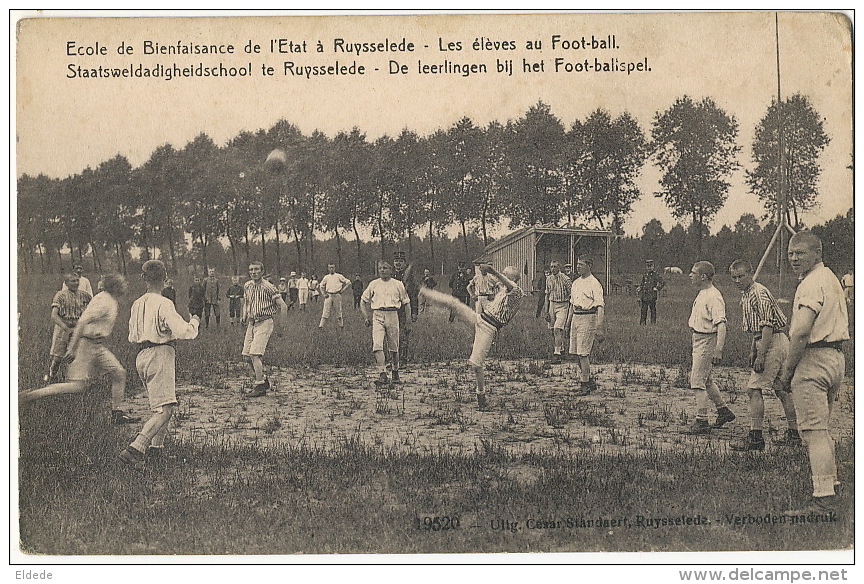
(694, 146)
(803, 139)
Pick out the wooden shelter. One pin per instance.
(532, 248)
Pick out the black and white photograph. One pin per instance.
(406, 287)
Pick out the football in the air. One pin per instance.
(276, 161)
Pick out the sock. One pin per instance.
(140, 443)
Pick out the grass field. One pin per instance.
(542, 472)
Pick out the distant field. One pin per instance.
(326, 448)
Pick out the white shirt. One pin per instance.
(586, 293)
(101, 314)
(333, 283)
(709, 310)
(155, 319)
(390, 294)
(302, 283)
(820, 291)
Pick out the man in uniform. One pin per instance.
(766, 323)
(459, 287)
(815, 364)
(403, 273)
(650, 287)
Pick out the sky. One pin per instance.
(64, 124)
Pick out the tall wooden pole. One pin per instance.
(781, 191)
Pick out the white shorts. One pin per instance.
(257, 337)
(558, 312)
(703, 360)
(155, 367)
(777, 351)
(60, 341)
(385, 323)
(93, 360)
(583, 328)
(332, 304)
(484, 336)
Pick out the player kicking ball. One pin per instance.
(494, 316)
(90, 357)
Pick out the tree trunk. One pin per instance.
(41, 257)
(203, 251)
(248, 246)
(357, 240)
(278, 250)
(297, 245)
(233, 245)
(263, 250)
(464, 236)
(431, 242)
(338, 247)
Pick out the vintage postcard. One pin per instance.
(423, 284)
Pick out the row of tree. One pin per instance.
(530, 171)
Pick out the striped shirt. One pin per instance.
(558, 287)
(505, 304)
(760, 309)
(155, 320)
(70, 305)
(260, 299)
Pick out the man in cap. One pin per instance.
(815, 365)
(648, 289)
(459, 287)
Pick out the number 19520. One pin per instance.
(437, 523)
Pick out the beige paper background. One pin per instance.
(64, 125)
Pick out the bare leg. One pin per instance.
(788, 408)
(54, 389)
(152, 427)
(257, 368)
(463, 311)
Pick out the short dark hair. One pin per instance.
(154, 271)
(705, 268)
(114, 284)
(741, 265)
